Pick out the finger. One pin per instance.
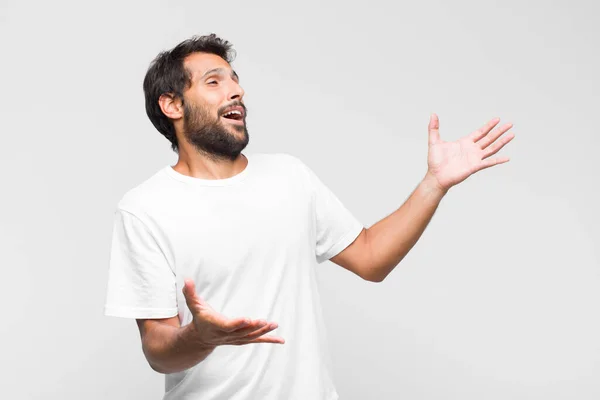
(237, 324)
(493, 161)
(262, 339)
(231, 325)
(202, 311)
(434, 129)
(255, 333)
(269, 339)
(219, 321)
(484, 130)
(495, 147)
(491, 138)
(189, 292)
(249, 327)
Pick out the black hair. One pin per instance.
(167, 74)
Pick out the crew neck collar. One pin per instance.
(210, 182)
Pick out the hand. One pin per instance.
(450, 163)
(214, 329)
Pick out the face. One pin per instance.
(214, 119)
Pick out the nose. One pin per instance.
(236, 92)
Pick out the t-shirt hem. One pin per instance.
(341, 244)
(149, 313)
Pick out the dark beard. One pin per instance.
(210, 136)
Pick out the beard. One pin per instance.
(210, 136)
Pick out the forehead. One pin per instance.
(199, 63)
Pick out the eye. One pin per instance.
(212, 82)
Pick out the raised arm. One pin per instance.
(378, 249)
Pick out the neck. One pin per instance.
(206, 166)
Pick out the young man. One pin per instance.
(215, 257)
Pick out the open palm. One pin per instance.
(452, 162)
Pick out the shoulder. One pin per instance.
(279, 163)
(287, 160)
(140, 198)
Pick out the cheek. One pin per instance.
(209, 101)
(214, 99)
(213, 107)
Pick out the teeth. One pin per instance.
(233, 112)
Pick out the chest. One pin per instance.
(232, 233)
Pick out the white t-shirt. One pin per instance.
(251, 244)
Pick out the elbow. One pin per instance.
(377, 279)
(376, 272)
(156, 368)
(374, 279)
(373, 276)
(151, 359)
(371, 271)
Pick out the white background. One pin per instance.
(498, 300)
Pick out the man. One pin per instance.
(215, 257)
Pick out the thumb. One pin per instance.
(202, 311)
(189, 292)
(434, 129)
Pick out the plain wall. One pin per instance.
(498, 300)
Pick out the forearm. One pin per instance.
(170, 349)
(390, 239)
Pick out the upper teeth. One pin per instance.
(234, 112)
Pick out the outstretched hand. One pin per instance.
(214, 329)
(450, 163)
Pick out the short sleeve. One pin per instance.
(141, 284)
(336, 226)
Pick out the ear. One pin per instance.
(171, 105)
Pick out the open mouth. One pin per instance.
(235, 115)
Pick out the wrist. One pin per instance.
(432, 186)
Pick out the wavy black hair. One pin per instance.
(167, 74)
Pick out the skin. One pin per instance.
(209, 148)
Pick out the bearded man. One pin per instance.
(215, 256)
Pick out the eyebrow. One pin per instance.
(220, 70)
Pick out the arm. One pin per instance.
(378, 249)
(390, 239)
(168, 347)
